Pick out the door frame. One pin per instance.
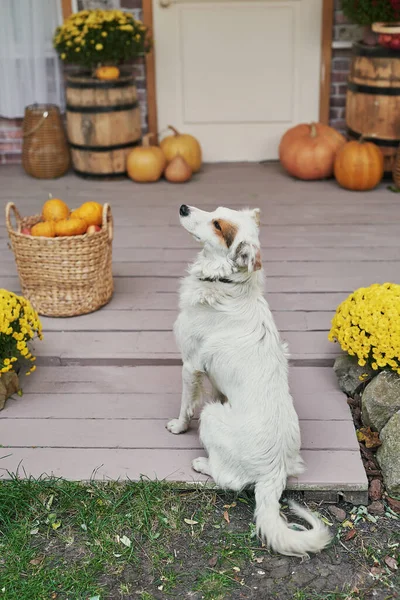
(325, 66)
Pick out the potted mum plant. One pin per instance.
(369, 12)
(19, 325)
(103, 114)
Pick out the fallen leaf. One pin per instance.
(50, 502)
(236, 569)
(56, 525)
(226, 516)
(394, 504)
(190, 522)
(125, 541)
(94, 598)
(391, 563)
(347, 525)
(258, 559)
(34, 531)
(230, 505)
(117, 555)
(84, 527)
(36, 561)
(350, 534)
(376, 571)
(213, 561)
(371, 438)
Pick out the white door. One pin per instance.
(237, 73)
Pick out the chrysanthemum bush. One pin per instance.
(367, 325)
(19, 325)
(101, 37)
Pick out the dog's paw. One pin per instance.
(201, 465)
(176, 426)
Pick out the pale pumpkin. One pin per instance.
(359, 165)
(46, 229)
(91, 212)
(185, 145)
(69, 227)
(178, 171)
(146, 163)
(107, 73)
(308, 151)
(54, 209)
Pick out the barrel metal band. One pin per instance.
(374, 51)
(373, 89)
(104, 148)
(99, 175)
(101, 109)
(102, 85)
(375, 140)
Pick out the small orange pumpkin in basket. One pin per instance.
(91, 212)
(54, 210)
(46, 229)
(68, 227)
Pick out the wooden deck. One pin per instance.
(109, 381)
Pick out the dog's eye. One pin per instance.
(217, 225)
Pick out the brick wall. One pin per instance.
(343, 32)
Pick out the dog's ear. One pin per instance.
(256, 214)
(248, 256)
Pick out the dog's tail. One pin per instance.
(276, 532)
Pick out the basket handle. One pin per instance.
(39, 124)
(108, 221)
(11, 207)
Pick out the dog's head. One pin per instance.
(229, 233)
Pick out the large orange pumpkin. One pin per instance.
(91, 212)
(185, 145)
(54, 209)
(308, 151)
(146, 163)
(68, 227)
(46, 229)
(359, 165)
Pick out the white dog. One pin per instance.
(225, 330)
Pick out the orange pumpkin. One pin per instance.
(308, 151)
(54, 210)
(359, 165)
(146, 163)
(46, 229)
(69, 227)
(107, 73)
(185, 145)
(91, 212)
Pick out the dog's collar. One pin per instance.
(215, 279)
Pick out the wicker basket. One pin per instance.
(45, 152)
(63, 276)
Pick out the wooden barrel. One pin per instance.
(103, 124)
(373, 98)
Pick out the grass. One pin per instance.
(62, 540)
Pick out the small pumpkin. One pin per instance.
(54, 209)
(91, 212)
(69, 227)
(178, 171)
(184, 144)
(359, 165)
(308, 151)
(44, 229)
(146, 163)
(107, 73)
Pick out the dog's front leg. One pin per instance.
(191, 391)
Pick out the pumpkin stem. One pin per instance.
(146, 139)
(176, 132)
(313, 130)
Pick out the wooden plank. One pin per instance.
(326, 59)
(160, 345)
(339, 471)
(163, 320)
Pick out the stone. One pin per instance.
(381, 400)
(376, 508)
(349, 372)
(338, 513)
(394, 504)
(388, 455)
(375, 489)
(9, 385)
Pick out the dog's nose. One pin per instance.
(184, 210)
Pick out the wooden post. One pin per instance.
(326, 61)
(151, 74)
(66, 8)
